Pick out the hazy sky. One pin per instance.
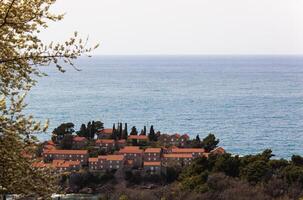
(184, 26)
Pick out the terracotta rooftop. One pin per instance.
(131, 149)
(121, 141)
(115, 157)
(138, 137)
(218, 150)
(92, 159)
(105, 141)
(106, 131)
(176, 155)
(153, 150)
(79, 139)
(187, 150)
(73, 152)
(152, 163)
(40, 164)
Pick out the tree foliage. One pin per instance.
(22, 54)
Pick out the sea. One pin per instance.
(250, 103)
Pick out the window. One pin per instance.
(81, 156)
(110, 166)
(117, 166)
(135, 155)
(154, 154)
(148, 158)
(154, 158)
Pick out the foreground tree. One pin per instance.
(22, 53)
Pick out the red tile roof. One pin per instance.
(40, 164)
(67, 152)
(185, 136)
(131, 149)
(218, 150)
(92, 159)
(187, 150)
(153, 150)
(152, 163)
(176, 155)
(115, 157)
(137, 137)
(105, 141)
(106, 131)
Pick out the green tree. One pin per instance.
(134, 131)
(210, 142)
(256, 171)
(297, 160)
(63, 129)
(125, 132)
(83, 131)
(67, 142)
(22, 54)
(152, 136)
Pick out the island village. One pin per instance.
(96, 148)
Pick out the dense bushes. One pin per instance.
(276, 178)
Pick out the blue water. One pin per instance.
(249, 102)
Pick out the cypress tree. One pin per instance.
(125, 132)
(120, 131)
(134, 131)
(152, 135)
(144, 130)
(198, 138)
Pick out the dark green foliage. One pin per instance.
(256, 172)
(198, 138)
(125, 132)
(88, 179)
(210, 142)
(230, 165)
(152, 136)
(67, 142)
(60, 131)
(90, 130)
(134, 131)
(297, 160)
(83, 131)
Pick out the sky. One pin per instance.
(170, 27)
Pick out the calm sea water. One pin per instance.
(249, 102)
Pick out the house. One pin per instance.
(69, 155)
(173, 140)
(152, 154)
(59, 165)
(63, 165)
(120, 144)
(133, 153)
(152, 167)
(107, 145)
(107, 162)
(93, 163)
(196, 152)
(172, 159)
(105, 133)
(79, 142)
(183, 140)
(218, 150)
(138, 139)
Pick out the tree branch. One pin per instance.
(7, 13)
